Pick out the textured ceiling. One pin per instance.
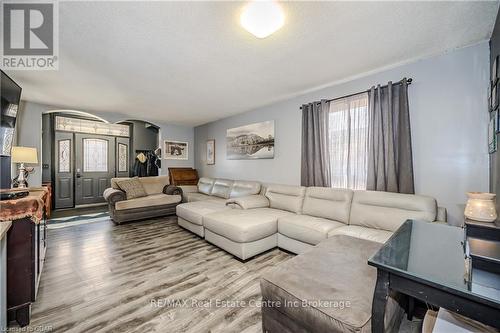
(191, 63)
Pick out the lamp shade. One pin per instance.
(24, 155)
(481, 207)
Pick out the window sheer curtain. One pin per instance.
(348, 137)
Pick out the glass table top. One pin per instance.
(435, 253)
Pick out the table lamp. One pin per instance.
(481, 207)
(23, 155)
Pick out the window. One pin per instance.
(122, 157)
(348, 141)
(90, 127)
(64, 155)
(95, 155)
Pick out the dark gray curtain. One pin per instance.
(315, 169)
(390, 165)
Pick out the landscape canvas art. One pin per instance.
(253, 141)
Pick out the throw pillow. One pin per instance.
(132, 187)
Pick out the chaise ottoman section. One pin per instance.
(374, 235)
(327, 289)
(190, 215)
(299, 233)
(243, 233)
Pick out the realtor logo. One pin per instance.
(30, 35)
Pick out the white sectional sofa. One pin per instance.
(248, 218)
(210, 196)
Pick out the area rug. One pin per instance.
(75, 222)
(62, 222)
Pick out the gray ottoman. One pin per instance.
(326, 289)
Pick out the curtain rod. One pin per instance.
(408, 80)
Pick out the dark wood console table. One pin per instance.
(26, 245)
(427, 261)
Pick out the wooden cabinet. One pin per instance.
(183, 176)
(26, 245)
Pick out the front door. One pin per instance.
(94, 167)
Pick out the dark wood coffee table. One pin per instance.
(427, 261)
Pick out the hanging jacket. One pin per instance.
(140, 169)
(152, 167)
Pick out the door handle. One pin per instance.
(78, 175)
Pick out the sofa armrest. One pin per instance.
(249, 202)
(442, 215)
(112, 196)
(188, 188)
(172, 190)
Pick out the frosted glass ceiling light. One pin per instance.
(262, 18)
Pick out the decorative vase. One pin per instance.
(481, 207)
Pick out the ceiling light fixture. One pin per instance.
(262, 18)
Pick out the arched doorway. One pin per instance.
(145, 139)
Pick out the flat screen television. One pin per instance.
(10, 93)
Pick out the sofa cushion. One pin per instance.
(195, 196)
(148, 202)
(387, 211)
(374, 235)
(244, 225)
(132, 187)
(114, 182)
(154, 185)
(286, 197)
(305, 228)
(205, 185)
(329, 203)
(194, 211)
(335, 270)
(243, 188)
(222, 188)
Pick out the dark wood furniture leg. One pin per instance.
(411, 308)
(23, 316)
(379, 301)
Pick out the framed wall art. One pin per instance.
(210, 152)
(494, 97)
(253, 141)
(492, 133)
(494, 71)
(175, 150)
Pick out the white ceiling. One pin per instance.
(191, 63)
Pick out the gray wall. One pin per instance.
(145, 138)
(29, 134)
(449, 128)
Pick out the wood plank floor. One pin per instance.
(99, 277)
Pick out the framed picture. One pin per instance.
(489, 97)
(211, 152)
(494, 97)
(492, 133)
(175, 150)
(494, 71)
(496, 115)
(249, 142)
